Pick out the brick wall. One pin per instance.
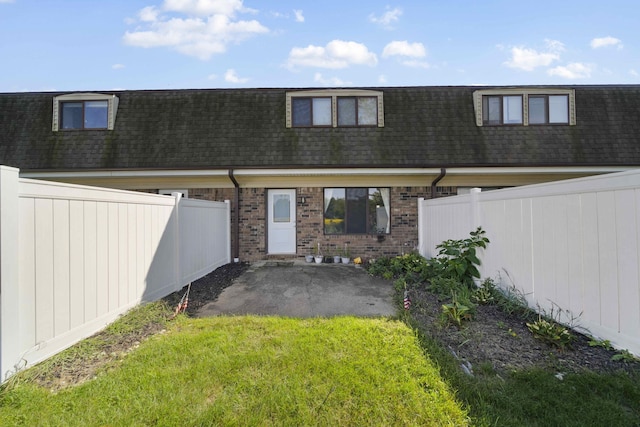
(310, 204)
(404, 226)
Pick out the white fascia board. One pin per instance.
(126, 174)
(335, 171)
(538, 170)
(455, 171)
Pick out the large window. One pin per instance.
(357, 211)
(335, 107)
(84, 111)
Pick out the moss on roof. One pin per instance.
(424, 127)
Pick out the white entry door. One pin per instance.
(281, 221)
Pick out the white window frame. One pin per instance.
(111, 114)
(524, 92)
(334, 94)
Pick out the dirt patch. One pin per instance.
(500, 342)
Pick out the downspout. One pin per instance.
(443, 172)
(236, 218)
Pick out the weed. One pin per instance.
(606, 344)
(456, 311)
(551, 332)
(485, 293)
(512, 301)
(624, 356)
(444, 286)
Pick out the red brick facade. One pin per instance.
(309, 215)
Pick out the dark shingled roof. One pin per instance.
(221, 128)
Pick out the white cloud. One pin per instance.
(387, 19)
(634, 73)
(333, 81)
(206, 7)
(404, 48)
(336, 54)
(605, 42)
(199, 28)
(148, 14)
(232, 77)
(529, 59)
(117, 66)
(382, 79)
(575, 70)
(299, 16)
(212, 76)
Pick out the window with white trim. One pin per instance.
(526, 106)
(357, 210)
(335, 108)
(84, 111)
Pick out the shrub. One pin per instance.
(411, 267)
(458, 258)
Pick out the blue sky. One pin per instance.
(71, 45)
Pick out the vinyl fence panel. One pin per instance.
(572, 245)
(73, 258)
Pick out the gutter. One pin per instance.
(443, 172)
(236, 218)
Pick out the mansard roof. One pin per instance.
(239, 128)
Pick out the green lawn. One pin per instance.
(255, 371)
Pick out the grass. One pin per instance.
(536, 397)
(254, 371)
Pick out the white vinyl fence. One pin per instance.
(573, 245)
(73, 258)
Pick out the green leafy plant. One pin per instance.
(485, 293)
(458, 258)
(412, 267)
(606, 344)
(624, 356)
(444, 286)
(456, 312)
(551, 332)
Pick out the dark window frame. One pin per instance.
(367, 210)
(357, 113)
(84, 109)
(548, 110)
(310, 118)
(485, 110)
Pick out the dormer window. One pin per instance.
(526, 106)
(335, 108)
(88, 111)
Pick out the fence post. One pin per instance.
(228, 228)
(421, 227)
(178, 240)
(9, 272)
(476, 221)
